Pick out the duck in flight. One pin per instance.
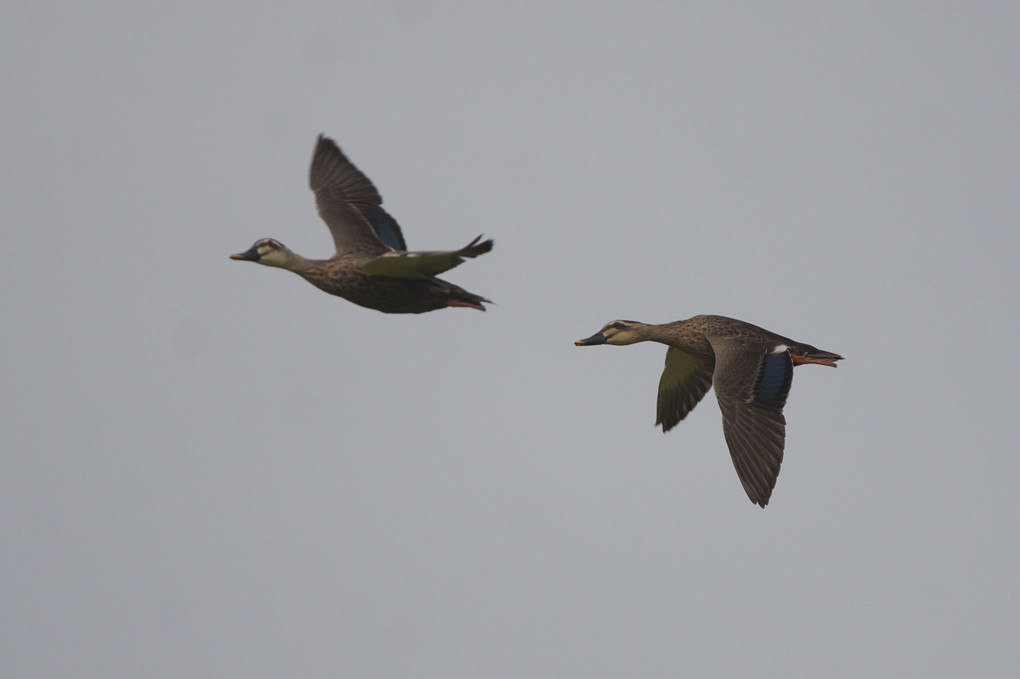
(371, 266)
(751, 370)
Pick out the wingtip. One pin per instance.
(476, 248)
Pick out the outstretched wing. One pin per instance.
(423, 264)
(685, 381)
(350, 204)
(751, 385)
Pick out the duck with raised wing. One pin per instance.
(371, 266)
(751, 370)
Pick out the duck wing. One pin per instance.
(350, 204)
(752, 384)
(685, 381)
(423, 264)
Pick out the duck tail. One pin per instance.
(460, 297)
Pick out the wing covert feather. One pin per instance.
(685, 381)
(423, 264)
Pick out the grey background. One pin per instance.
(211, 469)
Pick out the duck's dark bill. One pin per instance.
(248, 255)
(597, 338)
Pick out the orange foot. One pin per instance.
(469, 305)
(804, 358)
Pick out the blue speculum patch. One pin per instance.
(774, 380)
(385, 227)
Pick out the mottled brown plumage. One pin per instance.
(371, 266)
(751, 369)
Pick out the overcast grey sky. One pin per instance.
(212, 469)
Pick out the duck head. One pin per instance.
(619, 333)
(267, 251)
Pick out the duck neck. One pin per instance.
(652, 333)
(296, 263)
